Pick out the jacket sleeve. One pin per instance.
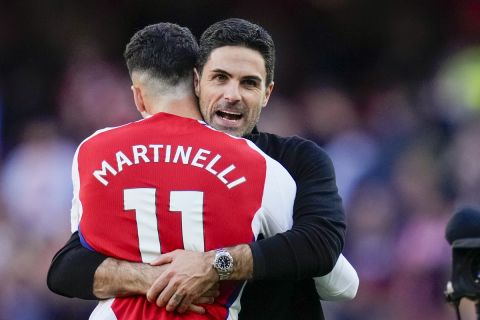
(313, 245)
(72, 270)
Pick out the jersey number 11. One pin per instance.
(188, 203)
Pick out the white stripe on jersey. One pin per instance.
(235, 308)
(103, 311)
(77, 209)
(276, 212)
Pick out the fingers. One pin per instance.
(213, 292)
(168, 298)
(204, 300)
(175, 302)
(186, 304)
(208, 298)
(157, 288)
(163, 259)
(215, 286)
(183, 305)
(196, 309)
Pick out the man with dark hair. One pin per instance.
(238, 34)
(232, 87)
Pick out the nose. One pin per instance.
(232, 92)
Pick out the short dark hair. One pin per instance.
(165, 50)
(238, 32)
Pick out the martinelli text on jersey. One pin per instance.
(159, 153)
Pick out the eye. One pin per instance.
(220, 77)
(250, 83)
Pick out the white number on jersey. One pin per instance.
(190, 205)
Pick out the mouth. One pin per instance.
(229, 115)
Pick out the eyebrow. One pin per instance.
(249, 77)
(221, 71)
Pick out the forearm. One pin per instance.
(117, 278)
(78, 272)
(243, 262)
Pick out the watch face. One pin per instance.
(224, 263)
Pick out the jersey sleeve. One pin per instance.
(315, 241)
(340, 284)
(275, 215)
(76, 210)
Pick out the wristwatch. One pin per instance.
(223, 263)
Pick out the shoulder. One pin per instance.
(292, 152)
(105, 134)
(241, 147)
(273, 142)
(92, 140)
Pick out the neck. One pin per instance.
(155, 96)
(185, 106)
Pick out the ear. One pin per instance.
(138, 98)
(196, 81)
(268, 92)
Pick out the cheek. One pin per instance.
(255, 105)
(201, 103)
(209, 97)
(206, 105)
(257, 113)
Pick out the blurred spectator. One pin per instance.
(332, 121)
(457, 85)
(327, 112)
(1, 126)
(36, 192)
(373, 224)
(36, 186)
(281, 117)
(463, 162)
(421, 252)
(94, 94)
(389, 114)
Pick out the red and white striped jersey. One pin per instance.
(166, 183)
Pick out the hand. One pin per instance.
(207, 298)
(188, 277)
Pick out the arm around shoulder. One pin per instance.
(78, 272)
(315, 241)
(72, 270)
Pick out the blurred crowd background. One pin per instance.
(391, 89)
